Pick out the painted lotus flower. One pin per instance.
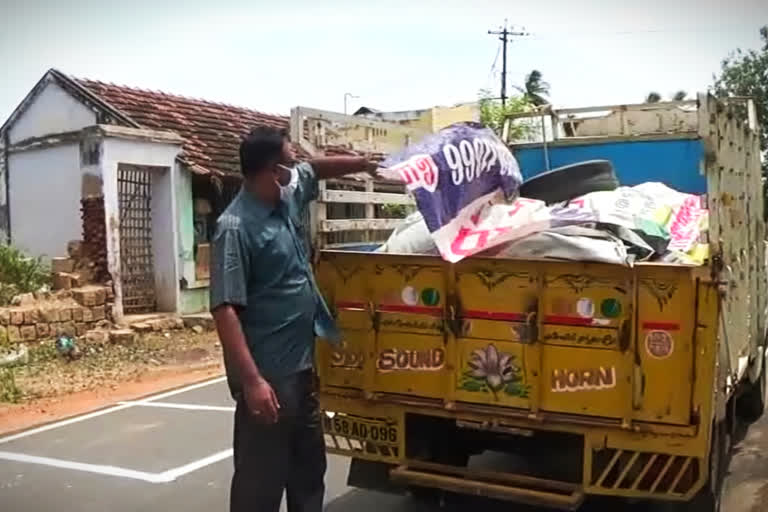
(496, 368)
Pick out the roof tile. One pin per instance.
(211, 131)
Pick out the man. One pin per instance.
(268, 310)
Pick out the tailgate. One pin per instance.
(568, 338)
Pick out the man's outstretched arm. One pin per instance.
(330, 167)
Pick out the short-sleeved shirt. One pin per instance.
(260, 265)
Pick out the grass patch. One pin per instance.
(104, 366)
(20, 273)
(9, 391)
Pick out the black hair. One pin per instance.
(263, 145)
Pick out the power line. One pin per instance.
(567, 34)
(505, 36)
(495, 59)
(492, 72)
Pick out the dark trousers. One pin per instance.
(288, 455)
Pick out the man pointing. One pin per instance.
(267, 311)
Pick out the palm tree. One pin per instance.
(535, 88)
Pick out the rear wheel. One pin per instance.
(750, 405)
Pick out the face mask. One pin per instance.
(288, 189)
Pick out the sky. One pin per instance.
(393, 55)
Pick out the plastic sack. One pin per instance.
(455, 175)
(625, 206)
(410, 237)
(651, 209)
(571, 243)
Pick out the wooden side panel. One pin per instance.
(409, 304)
(495, 302)
(737, 229)
(584, 381)
(665, 334)
(355, 209)
(344, 280)
(586, 342)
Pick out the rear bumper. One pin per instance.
(660, 463)
(501, 486)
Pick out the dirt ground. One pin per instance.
(50, 388)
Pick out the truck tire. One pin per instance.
(750, 405)
(570, 181)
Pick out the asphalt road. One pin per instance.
(171, 453)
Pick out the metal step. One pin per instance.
(502, 486)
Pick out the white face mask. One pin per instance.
(289, 188)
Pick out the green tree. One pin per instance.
(535, 89)
(745, 73)
(653, 97)
(679, 95)
(493, 114)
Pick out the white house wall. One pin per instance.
(4, 221)
(44, 193)
(165, 236)
(163, 240)
(54, 110)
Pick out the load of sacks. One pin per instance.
(622, 226)
(472, 200)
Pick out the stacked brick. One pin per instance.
(94, 246)
(86, 309)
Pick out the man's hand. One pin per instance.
(259, 397)
(373, 163)
(261, 400)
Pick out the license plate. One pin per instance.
(362, 429)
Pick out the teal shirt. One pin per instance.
(260, 265)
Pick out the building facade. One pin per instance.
(161, 168)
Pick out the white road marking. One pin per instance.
(173, 474)
(189, 407)
(153, 478)
(62, 423)
(79, 466)
(151, 401)
(108, 410)
(173, 392)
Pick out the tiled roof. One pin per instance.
(211, 131)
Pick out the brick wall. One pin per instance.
(71, 313)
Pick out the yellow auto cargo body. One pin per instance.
(606, 351)
(631, 365)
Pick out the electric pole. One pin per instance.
(505, 35)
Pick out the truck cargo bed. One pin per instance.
(570, 338)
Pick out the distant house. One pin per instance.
(430, 119)
(163, 166)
